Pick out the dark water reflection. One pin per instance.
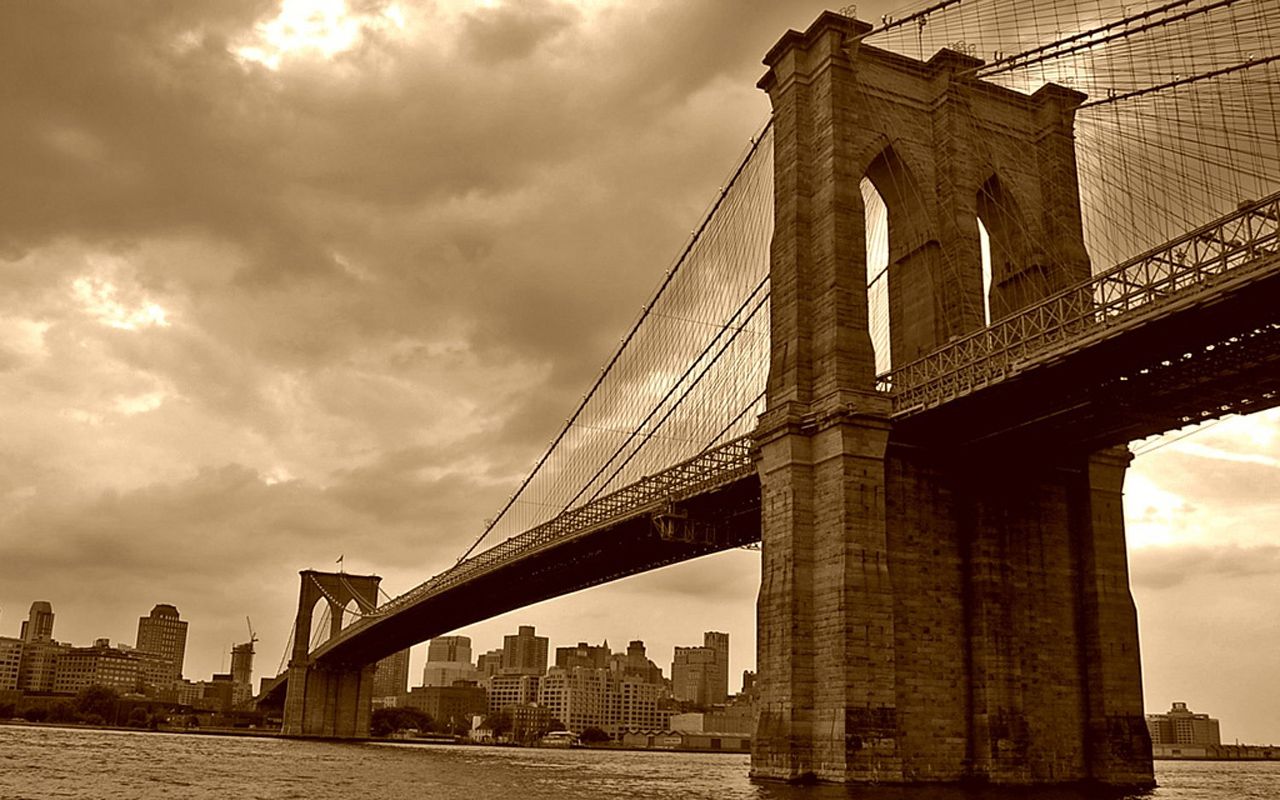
(39, 763)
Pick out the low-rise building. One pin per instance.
(451, 706)
(79, 668)
(687, 740)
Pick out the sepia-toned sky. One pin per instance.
(283, 284)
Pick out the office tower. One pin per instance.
(448, 661)
(524, 653)
(449, 649)
(391, 679)
(701, 674)
(39, 624)
(164, 633)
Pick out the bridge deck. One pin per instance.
(1187, 331)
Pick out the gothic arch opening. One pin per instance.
(876, 217)
(902, 255)
(350, 612)
(320, 624)
(1005, 252)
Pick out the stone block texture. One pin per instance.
(331, 701)
(927, 616)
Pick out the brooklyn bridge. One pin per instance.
(971, 256)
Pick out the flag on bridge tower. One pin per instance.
(339, 562)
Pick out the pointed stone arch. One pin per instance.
(1015, 277)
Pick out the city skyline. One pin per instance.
(419, 651)
(250, 328)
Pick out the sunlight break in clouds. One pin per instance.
(98, 297)
(326, 27)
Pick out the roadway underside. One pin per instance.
(719, 520)
(1218, 357)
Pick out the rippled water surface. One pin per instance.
(81, 763)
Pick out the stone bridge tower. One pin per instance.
(927, 615)
(330, 701)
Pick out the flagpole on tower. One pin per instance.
(340, 571)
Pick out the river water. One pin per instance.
(38, 763)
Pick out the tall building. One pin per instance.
(584, 655)
(449, 648)
(39, 624)
(1180, 726)
(391, 679)
(636, 664)
(164, 633)
(718, 642)
(242, 672)
(524, 653)
(489, 664)
(448, 661)
(701, 674)
(10, 662)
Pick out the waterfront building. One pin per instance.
(449, 706)
(583, 697)
(10, 663)
(101, 665)
(637, 704)
(449, 661)
(216, 694)
(529, 722)
(511, 690)
(700, 675)
(1181, 726)
(577, 697)
(39, 665)
(391, 679)
(740, 718)
(524, 653)
(38, 626)
(164, 632)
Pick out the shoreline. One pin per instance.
(260, 733)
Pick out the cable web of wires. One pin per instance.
(1180, 126)
(688, 376)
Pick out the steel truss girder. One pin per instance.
(1238, 248)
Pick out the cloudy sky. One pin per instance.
(282, 284)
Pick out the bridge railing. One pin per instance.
(1235, 245)
(706, 471)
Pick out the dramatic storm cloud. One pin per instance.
(284, 282)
